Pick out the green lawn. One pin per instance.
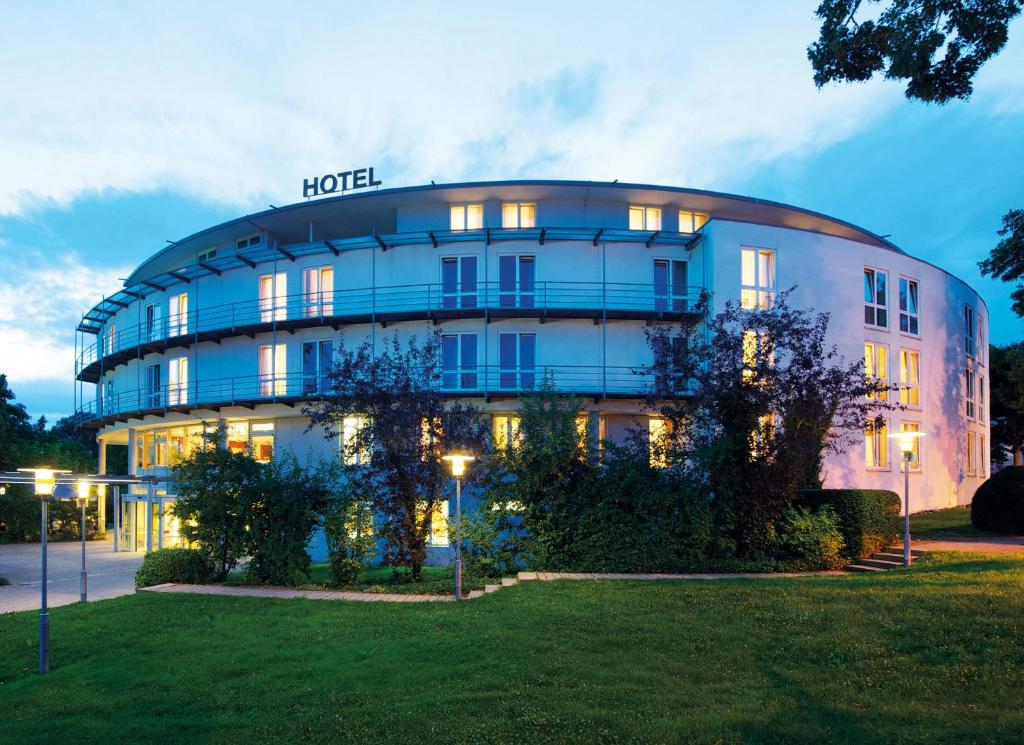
(435, 580)
(954, 522)
(932, 654)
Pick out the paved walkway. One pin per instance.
(993, 545)
(288, 592)
(110, 575)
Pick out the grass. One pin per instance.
(953, 522)
(435, 580)
(932, 654)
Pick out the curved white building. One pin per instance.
(237, 322)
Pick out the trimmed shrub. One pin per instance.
(811, 540)
(868, 518)
(186, 565)
(998, 505)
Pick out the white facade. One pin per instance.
(227, 324)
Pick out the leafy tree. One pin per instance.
(395, 424)
(937, 46)
(754, 400)
(15, 429)
(1006, 386)
(1006, 261)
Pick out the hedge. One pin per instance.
(185, 565)
(998, 505)
(868, 518)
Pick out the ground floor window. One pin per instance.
(876, 445)
(505, 428)
(915, 455)
(970, 456)
(438, 521)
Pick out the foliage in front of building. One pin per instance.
(20, 518)
(811, 539)
(348, 532)
(181, 565)
(1007, 403)
(868, 518)
(998, 504)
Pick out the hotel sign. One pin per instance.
(360, 178)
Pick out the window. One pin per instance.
(153, 385)
(177, 314)
(691, 222)
(317, 363)
(516, 360)
(458, 282)
(177, 381)
(458, 361)
(355, 449)
(915, 454)
(981, 398)
(762, 437)
(644, 218)
(754, 346)
(908, 306)
(107, 403)
(111, 339)
(876, 298)
(516, 281)
(273, 370)
(273, 297)
(658, 431)
(438, 519)
(237, 437)
(505, 428)
(466, 216)
(210, 253)
(318, 292)
(247, 242)
(982, 347)
(669, 284)
(970, 456)
(877, 445)
(982, 457)
(758, 289)
(876, 367)
(969, 330)
(910, 377)
(262, 441)
(518, 215)
(154, 329)
(670, 356)
(969, 397)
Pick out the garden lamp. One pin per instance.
(907, 443)
(458, 463)
(83, 501)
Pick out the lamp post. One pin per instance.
(907, 441)
(44, 480)
(83, 501)
(458, 463)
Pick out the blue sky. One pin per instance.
(142, 125)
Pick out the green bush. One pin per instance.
(811, 540)
(868, 518)
(185, 565)
(998, 505)
(19, 518)
(348, 531)
(495, 544)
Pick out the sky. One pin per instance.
(123, 126)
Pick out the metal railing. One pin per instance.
(372, 302)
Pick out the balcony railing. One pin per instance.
(615, 299)
(248, 390)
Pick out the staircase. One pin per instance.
(890, 557)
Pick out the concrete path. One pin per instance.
(110, 575)
(287, 592)
(992, 545)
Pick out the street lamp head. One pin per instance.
(906, 441)
(44, 479)
(458, 462)
(83, 488)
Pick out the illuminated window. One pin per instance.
(466, 216)
(582, 431)
(273, 297)
(517, 357)
(458, 282)
(644, 218)
(355, 449)
(658, 431)
(910, 377)
(876, 367)
(969, 393)
(248, 241)
(969, 330)
(982, 457)
(273, 369)
(317, 363)
(262, 441)
(876, 298)
(758, 285)
(237, 437)
(762, 434)
(459, 361)
(506, 432)
(318, 292)
(177, 381)
(518, 215)
(177, 445)
(981, 398)
(755, 352)
(970, 455)
(516, 281)
(153, 385)
(876, 445)
(909, 320)
(691, 222)
(669, 284)
(177, 314)
(430, 435)
(915, 460)
(438, 521)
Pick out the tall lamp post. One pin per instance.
(458, 463)
(44, 480)
(83, 501)
(907, 442)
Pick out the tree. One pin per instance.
(754, 400)
(938, 46)
(1006, 386)
(15, 428)
(1006, 261)
(394, 425)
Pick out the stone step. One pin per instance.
(491, 588)
(863, 568)
(474, 594)
(509, 581)
(527, 576)
(888, 556)
(881, 563)
(899, 550)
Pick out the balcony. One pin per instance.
(489, 300)
(248, 391)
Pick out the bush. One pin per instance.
(348, 531)
(868, 518)
(185, 565)
(811, 540)
(495, 544)
(998, 505)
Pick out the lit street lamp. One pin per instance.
(907, 442)
(458, 463)
(44, 480)
(83, 500)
